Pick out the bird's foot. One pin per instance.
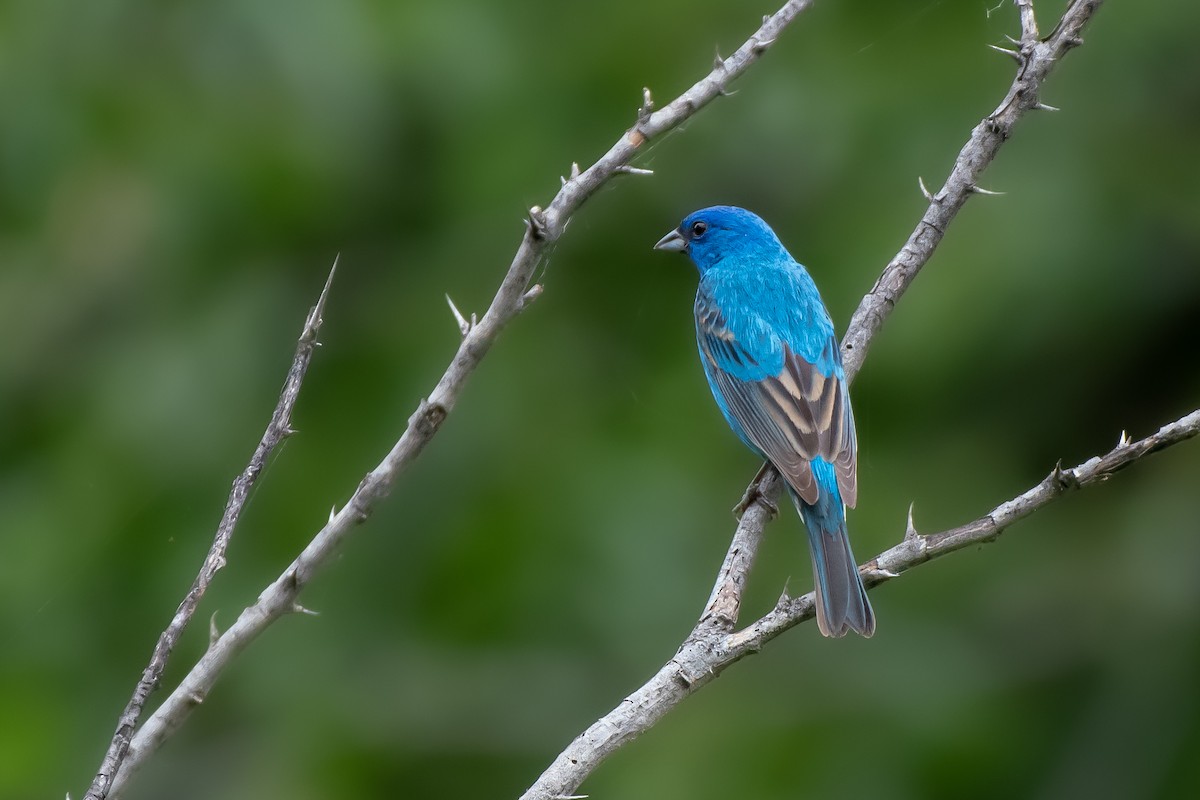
(754, 494)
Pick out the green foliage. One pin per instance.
(177, 178)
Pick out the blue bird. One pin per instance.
(773, 363)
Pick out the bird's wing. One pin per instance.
(792, 417)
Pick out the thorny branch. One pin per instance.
(713, 645)
(278, 429)
(1035, 60)
(917, 548)
(543, 228)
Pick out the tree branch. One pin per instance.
(916, 548)
(712, 645)
(278, 429)
(1034, 62)
(543, 228)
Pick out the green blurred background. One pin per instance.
(176, 178)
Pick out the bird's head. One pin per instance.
(711, 235)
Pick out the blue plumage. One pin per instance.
(773, 363)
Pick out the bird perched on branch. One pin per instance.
(775, 368)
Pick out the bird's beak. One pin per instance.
(672, 241)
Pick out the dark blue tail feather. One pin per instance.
(842, 603)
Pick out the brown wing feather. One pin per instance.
(823, 402)
(792, 418)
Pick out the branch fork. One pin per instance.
(713, 644)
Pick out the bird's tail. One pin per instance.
(842, 603)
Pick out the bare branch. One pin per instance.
(918, 549)
(711, 646)
(1036, 62)
(278, 429)
(975, 156)
(543, 228)
(759, 506)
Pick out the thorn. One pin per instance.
(1064, 478)
(1124, 440)
(195, 698)
(784, 597)
(1017, 42)
(332, 514)
(531, 294)
(287, 430)
(980, 190)
(718, 62)
(316, 315)
(754, 494)
(647, 106)
(924, 190)
(214, 632)
(881, 572)
(1013, 54)
(760, 46)
(464, 326)
(723, 92)
(910, 530)
(628, 170)
(536, 220)
(569, 797)
(574, 174)
(299, 609)
(1045, 107)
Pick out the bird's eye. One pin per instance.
(698, 228)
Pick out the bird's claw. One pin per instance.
(754, 494)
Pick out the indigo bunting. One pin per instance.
(775, 368)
